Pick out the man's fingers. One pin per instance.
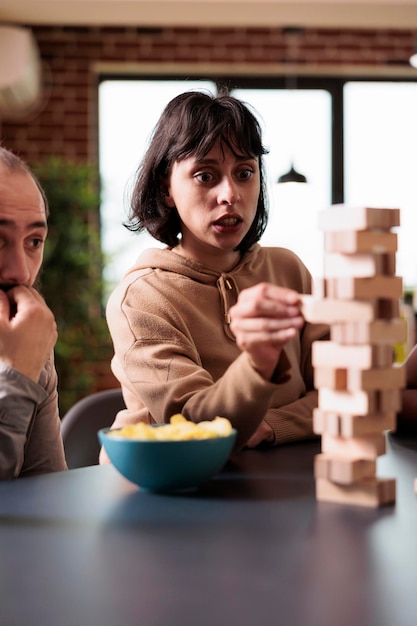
(4, 306)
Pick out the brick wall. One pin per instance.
(66, 122)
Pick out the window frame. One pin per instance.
(333, 84)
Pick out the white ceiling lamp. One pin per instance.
(20, 70)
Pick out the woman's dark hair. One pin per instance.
(189, 126)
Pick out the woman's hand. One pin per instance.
(264, 432)
(263, 319)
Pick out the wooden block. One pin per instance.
(388, 400)
(328, 311)
(384, 355)
(331, 288)
(379, 331)
(353, 288)
(358, 242)
(344, 332)
(343, 471)
(317, 291)
(366, 447)
(388, 309)
(370, 492)
(359, 401)
(387, 264)
(379, 378)
(330, 377)
(327, 422)
(359, 265)
(348, 425)
(355, 402)
(342, 217)
(366, 356)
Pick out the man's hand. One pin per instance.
(264, 318)
(28, 330)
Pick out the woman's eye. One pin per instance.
(204, 177)
(245, 174)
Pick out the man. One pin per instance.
(30, 438)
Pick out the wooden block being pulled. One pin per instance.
(359, 242)
(343, 471)
(343, 217)
(348, 425)
(370, 492)
(366, 447)
(329, 310)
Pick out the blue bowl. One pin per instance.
(167, 465)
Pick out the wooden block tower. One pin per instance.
(359, 385)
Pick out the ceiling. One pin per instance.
(374, 14)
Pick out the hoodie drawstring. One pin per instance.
(226, 285)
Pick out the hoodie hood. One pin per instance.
(167, 260)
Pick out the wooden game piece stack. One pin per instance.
(358, 383)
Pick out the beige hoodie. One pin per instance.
(175, 353)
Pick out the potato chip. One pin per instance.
(178, 429)
(178, 418)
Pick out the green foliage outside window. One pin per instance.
(71, 279)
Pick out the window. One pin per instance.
(297, 130)
(354, 140)
(128, 112)
(380, 158)
(296, 127)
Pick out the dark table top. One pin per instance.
(252, 546)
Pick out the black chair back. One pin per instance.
(80, 424)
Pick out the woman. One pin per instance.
(211, 324)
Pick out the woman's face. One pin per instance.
(216, 198)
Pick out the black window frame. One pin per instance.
(333, 84)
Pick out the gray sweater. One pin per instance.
(30, 429)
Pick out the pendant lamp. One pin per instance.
(293, 33)
(292, 176)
